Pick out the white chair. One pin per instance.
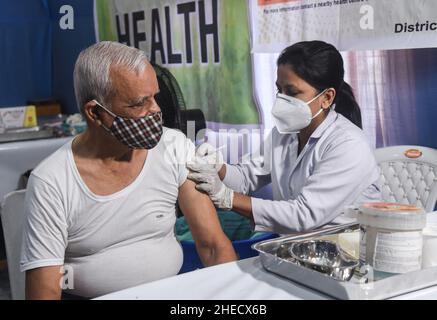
(408, 175)
(13, 214)
(18, 157)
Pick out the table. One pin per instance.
(240, 280)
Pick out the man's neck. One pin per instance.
(102, 146)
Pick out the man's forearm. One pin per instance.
(44, 283)
(217, 254)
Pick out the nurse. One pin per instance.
(317, 158)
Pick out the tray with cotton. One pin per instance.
(276, 257)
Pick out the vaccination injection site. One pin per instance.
(243, 151)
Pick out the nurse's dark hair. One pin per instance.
(321, 65)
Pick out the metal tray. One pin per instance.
(26, 134)
(358, 288)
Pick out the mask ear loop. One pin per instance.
(110, 112)
(316, 97)
(318, 112)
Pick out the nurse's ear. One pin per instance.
(328, 98)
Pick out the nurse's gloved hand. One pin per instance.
(207, 158)
(209, 182)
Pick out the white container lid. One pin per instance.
(392, 216)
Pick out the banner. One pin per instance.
(205, 45)
(347, 24)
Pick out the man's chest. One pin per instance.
(105, 180)
(146, 211)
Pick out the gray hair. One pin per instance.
(91, 72)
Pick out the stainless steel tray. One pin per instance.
(25, 134)
(358, 288)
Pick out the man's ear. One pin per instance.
(90, 110)
(329, 96)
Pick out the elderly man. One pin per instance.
(103, 206)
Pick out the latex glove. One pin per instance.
(209, 182)
(206, 158)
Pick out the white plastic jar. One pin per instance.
(391, 236)
(429, 255)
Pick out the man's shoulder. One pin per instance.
(170, 135)
(174, 151)
(176, 142)
(51, 168)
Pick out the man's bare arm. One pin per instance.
(44, 283)
(212, 244)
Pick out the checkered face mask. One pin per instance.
(142, 133)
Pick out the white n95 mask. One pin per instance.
(292, 115)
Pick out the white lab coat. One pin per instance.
(336, 168)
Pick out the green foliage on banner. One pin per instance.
(222, 90)
(105, 21)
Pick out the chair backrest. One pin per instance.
(408, 175)
(12, 216)
(18, 157)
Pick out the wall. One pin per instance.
(25, 51)
(36, 56)
(67, 44)
(37, 59)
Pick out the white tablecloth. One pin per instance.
(241, 280)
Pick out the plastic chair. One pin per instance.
(408, 175)
(13, 214)
(18, 157)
